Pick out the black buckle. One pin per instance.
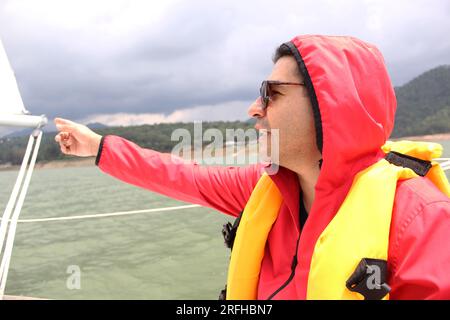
(228, 235)
(369, 279)
(419, 166)
(229, 232)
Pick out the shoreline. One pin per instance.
(90, 161)
(55, 164)
(429, 137)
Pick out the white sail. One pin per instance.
(10, 99)
(13, 113)
(12, 109)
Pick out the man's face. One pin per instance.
(289, 111)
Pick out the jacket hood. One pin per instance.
(352, 95)
(354, 108)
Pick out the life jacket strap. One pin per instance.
(419, 166)
(223, 294)
(369, 279)
(229, 234)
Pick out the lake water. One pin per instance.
(163, 255)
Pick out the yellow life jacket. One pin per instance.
(364, 214)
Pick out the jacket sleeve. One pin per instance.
(226, 189)
(420, 254)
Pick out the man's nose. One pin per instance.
(256, 110)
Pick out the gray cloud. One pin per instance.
(78, 59)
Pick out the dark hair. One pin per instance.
(284, 51)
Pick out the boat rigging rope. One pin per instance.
(110, 214)
(36, 137)
(444, 165)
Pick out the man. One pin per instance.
(334, 105)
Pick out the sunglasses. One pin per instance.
(266, 91)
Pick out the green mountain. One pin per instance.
(423, 104)
(156, 137)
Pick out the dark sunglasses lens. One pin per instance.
(264, 94)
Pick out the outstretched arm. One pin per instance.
(226, 189)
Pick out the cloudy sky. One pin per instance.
(132, 62)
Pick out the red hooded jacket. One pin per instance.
(354, 107)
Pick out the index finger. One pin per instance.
(66, 128)
(63, 121)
